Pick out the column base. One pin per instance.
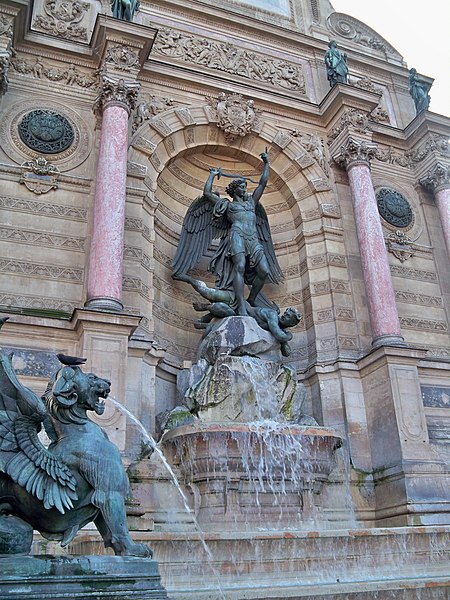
(388, 340)
(104, 304)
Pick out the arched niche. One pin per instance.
(178, 147)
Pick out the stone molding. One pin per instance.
(228, 58)
(37, 302)
(423, 324)
(412, 273)
(35, 207)
(116, 92)
(437, 178)
(41, 271)
(41, 239)
(355, 152)
(419, 299)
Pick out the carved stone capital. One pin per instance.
(118, 92)
(355, 152)
(437, 178)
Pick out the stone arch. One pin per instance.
(165, 144)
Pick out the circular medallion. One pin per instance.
(46, 131)
(394, 208)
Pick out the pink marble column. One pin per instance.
(355, 156)
(438, 180)
(104, 285)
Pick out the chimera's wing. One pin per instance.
(22, 455)
(200, 227)
(262, 226)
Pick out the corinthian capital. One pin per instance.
(437, 178)
(355, 152)
(116, 91)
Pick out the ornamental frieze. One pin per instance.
(34, 207)
(223, 56)
(40, 69)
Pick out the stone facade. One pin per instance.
(90, 226)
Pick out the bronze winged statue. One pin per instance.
(245, 255)
(78, 478)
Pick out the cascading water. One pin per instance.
(155, 448)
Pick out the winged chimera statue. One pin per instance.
(245, 254)
(79, 478)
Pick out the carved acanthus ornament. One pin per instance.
(62, 18)
(438, 178)
(115, 91)
(235, 115)
(355, 152)
(122, 57)
(39, 175)
(223, 56)
(149, 108)
(353, 118)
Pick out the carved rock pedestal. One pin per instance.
(80, 578)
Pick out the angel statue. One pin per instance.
(245, 255)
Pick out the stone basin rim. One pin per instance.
(296, 430)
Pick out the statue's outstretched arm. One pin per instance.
(207, 190)
(263, 179)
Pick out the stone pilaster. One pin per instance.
(355, 157)
(438, 181)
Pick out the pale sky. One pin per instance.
(419, 30)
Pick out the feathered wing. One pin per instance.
(262, 226)
(200, 227)
(22, 455)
